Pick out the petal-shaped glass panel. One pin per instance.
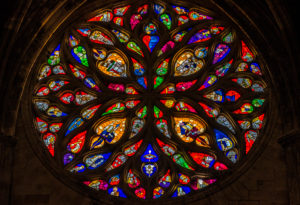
(111, 130)
(114, 65)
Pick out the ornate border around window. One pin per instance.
(148, 100)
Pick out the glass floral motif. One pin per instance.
(150, 100)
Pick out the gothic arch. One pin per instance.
(41, 32)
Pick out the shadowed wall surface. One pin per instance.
(272, 179)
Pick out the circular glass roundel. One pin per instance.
(149, 101)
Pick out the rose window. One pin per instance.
(149, 100)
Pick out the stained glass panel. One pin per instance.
(150, 100)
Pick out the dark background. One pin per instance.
(23, 178)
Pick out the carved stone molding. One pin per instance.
(291, 145)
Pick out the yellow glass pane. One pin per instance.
(189, 129)
(96, 142)
(111, 130)
(187, 64)
(202, 141)
(169, 103)
(114, 65)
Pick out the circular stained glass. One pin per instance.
(149, 100)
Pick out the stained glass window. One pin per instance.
(149, 100)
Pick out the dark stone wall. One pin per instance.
(27, 181)
(34, 184)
